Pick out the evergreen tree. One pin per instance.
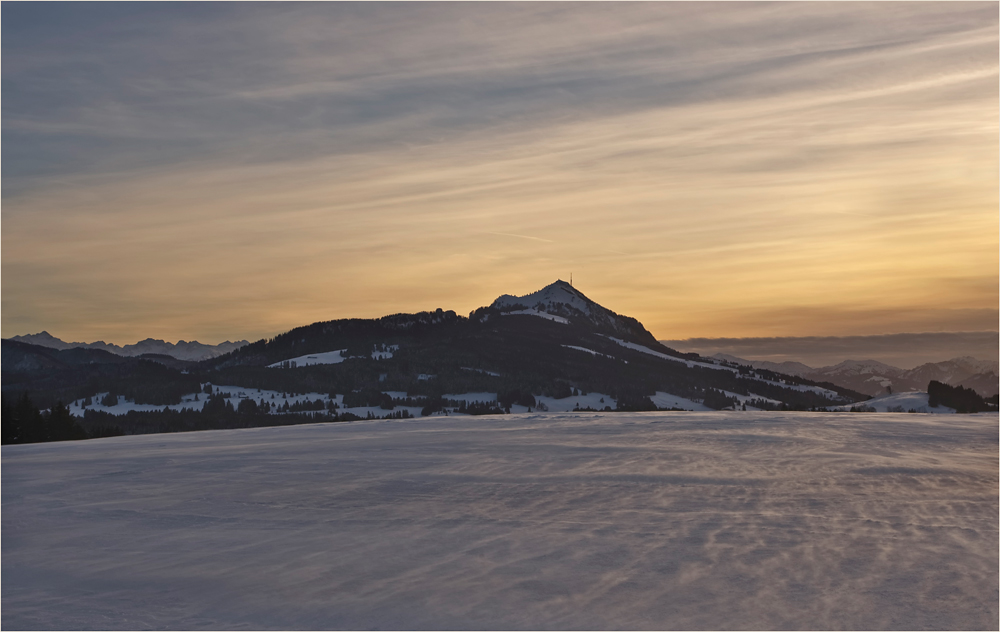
(963, 400)
(248, 407)
(10, 423)
(62, 426)
(31, 424)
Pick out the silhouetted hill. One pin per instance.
(547, 342)
(554, 343)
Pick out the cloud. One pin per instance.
(265, 165)
(548, 241)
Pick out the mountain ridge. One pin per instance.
(873, 377)
(548, 345)
(192, 351)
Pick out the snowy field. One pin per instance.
(545, 521)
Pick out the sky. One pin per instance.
(231, 171)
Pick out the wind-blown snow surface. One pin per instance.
(584, 521)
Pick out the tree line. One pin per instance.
(23, 422)
(963, 400)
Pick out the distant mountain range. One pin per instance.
(905, 350)
(193, 351)
(874, 378)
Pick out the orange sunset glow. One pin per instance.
(221, 172)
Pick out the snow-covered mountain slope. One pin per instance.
(788, 368)
(986, 384)
(562, 302)
(872, 377)
(535, 312)
(957, 371)
(330, 357)
(861, 367)
(721, 366)
(866, 376)
(979, 366)
(558, 293)
(192, 351)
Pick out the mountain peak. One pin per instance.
(548, 298)
(567, 302)
(43, 339)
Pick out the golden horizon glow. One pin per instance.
(837, 193)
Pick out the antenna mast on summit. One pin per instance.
(571, 279)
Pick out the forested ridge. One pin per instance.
(432, 354)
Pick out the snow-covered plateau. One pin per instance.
(330, 357)
(662, 520)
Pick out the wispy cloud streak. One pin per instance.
(696, 164)
(547, 241)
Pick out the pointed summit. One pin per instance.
(566, 302)
(558, 293)
(43, 339)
